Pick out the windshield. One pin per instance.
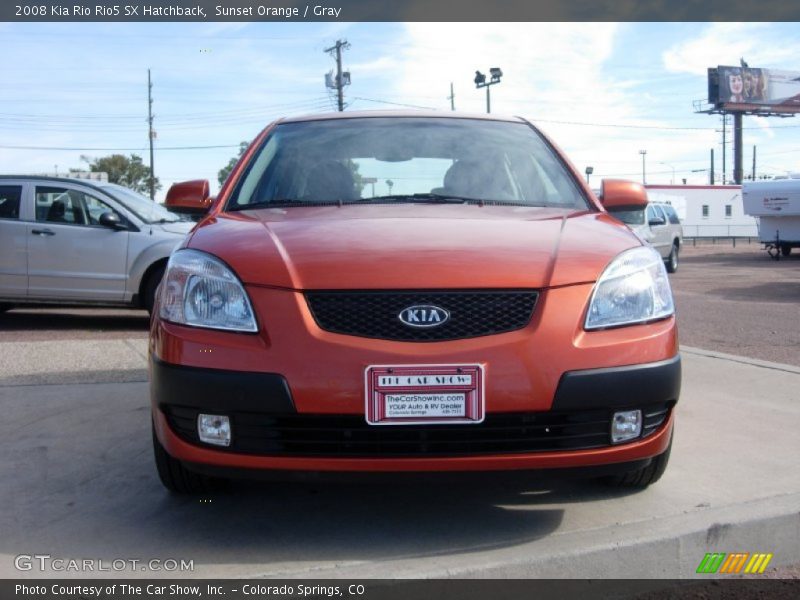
(405, 159)
(630, 217)
(139, 204)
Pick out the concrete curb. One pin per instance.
(670, 547)
(741, 359)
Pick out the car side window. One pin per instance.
(672, 215)
(58, 205)
(68, 206)
(94, 208)
(651, 213)
(10, 196)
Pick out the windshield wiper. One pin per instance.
(429, 197)
(283, 203)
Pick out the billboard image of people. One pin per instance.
(756, 89)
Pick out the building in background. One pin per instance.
(707, 210)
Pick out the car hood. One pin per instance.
(178, 227)
(414, 246)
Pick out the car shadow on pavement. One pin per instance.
(48, 324)
(88, 488)
(82, 484)
(27, 319)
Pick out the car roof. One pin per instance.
(424, 114)
(54, 179)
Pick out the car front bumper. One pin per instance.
(269, 433)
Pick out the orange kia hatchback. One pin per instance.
(411, 292)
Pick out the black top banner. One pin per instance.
(400, 10)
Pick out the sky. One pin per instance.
(602, 91)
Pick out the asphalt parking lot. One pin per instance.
(84, 485)
(739, 301)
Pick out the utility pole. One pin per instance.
(738, 170)
(150, 134)
(452, 97)
(342, 79)
(753, 175)
(724, 144)
(711, 176)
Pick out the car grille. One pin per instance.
(376, 314)
(350, 436)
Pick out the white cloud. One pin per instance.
(726, 43)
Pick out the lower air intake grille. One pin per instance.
(350, 436)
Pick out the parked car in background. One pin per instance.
(418, 292)
(80, 242)
(657, 224)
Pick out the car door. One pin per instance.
(13, 241)
(657, 222)
(70, 255)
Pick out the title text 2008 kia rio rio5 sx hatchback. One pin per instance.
(411, 292)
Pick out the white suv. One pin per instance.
(70, 241)
(659, 225)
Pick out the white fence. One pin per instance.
(710, 231)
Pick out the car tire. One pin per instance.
(786, 249)
(177, 478)
(150, 288)
(672, 259)
(641, 478)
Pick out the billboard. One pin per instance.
(757, 90)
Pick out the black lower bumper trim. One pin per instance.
(220, 391)
(620, 387)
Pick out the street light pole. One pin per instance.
(644, 171)
(480, 81)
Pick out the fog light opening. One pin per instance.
(214, 429)
(626, 425)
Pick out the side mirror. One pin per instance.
(189, 198)
(111, 220)
(656, 221)
(618, 194)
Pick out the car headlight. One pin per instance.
(199, 290)
(634, 288)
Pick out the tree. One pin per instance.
(358, 178)
(226, 170)
(129, 171)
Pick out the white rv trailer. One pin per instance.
(707, 210)
(776, 203)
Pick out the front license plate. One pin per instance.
(423, 394)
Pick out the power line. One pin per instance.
(140, 149)
(394, 103)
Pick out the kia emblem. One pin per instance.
(423, 316)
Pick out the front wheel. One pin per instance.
(672, 259)
(150, 287)
(177, 478)
(641, 478)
